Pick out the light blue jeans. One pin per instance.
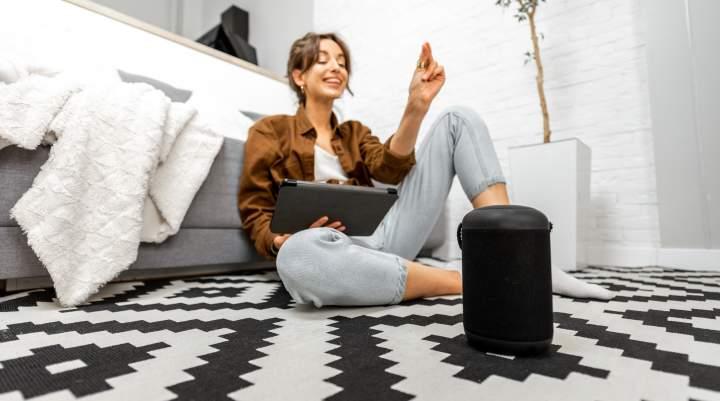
(324, 266)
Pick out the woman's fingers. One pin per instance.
(439, 71)
(319, 222)
(280, 239)
(323, 222)
(430, 72)
(426, 73)
(425, 55)
(432, 67)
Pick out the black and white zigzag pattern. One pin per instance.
(241, 337)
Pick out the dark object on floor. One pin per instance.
(507, 307)
(231, 36)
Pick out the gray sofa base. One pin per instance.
(189, 247)
(136, 274)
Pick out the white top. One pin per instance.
(327, 166)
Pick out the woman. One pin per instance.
(323, 266)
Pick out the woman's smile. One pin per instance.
(333, 82)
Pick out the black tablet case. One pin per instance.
(301, 203)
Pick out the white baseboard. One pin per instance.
(679, 258)
(621, 256)
(683, 258)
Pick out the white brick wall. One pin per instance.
(595, 82)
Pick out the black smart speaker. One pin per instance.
(507, 288)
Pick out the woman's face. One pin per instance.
(327, 78)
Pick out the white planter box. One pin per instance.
(554, 178)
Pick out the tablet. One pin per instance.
(301, 203)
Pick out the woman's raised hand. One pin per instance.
(321, 222)
(428, 78)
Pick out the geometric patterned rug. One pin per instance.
(241, 337)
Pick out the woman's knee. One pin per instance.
(306, 260)
(301, 252)
(461, 110)
(456, 121)
(469, 116)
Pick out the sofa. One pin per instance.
(210, 240)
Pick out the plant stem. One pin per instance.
(540, 79)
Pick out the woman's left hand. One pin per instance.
(426, 82)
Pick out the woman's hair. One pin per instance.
(305, 52)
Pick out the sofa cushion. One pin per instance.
(252, 115)
(175, 94)
(215, 204)
(18, 168)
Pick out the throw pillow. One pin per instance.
(175, 94)
(252, 115)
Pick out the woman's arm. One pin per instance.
(403, 142)
(428, 78)
(384, 164)
(256, 202)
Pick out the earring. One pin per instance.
(302, 89)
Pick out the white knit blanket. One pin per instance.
(125, 164)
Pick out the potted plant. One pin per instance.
(553, 177)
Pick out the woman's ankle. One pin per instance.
(451, 283)
(428, 281)
(456, 282)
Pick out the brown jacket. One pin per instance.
(283, 146)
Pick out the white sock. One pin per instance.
(565, 284)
